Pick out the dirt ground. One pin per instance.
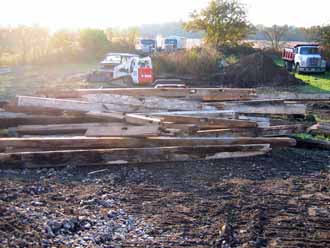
(278, 200)
(256, 70)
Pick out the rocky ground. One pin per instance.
(278, 200)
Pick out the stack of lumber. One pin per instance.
(143, 125)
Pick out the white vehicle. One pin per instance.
(173, 43)
(304, 58)
(146, 45)
(129, 67)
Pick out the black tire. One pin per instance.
(297, 68)
(128, 81)
(289, 66)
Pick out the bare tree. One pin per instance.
(275, 34)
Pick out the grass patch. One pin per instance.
(306, 136)
(315, 83)
(26, 80)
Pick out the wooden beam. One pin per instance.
(282, 130)
(71, 105)
(128, 155)
(46, 143)
(123, 131)
(261, 121)
(265, 108)
(234, 132)
(209, 123)
(291, 96)
(8, 119)
(61, 128)
(12, 107)
(188, 93)
(150, 102)
(229, 114)
(141, 119)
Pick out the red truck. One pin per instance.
(304, 58)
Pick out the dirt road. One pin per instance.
(280, 200)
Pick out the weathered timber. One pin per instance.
(265, 108)
(261, 121)
(8, 119)
(150, 102)
(123, 131)
(291, 96)
(235, 132)
(12, 144)
(141, 119)
(189, 128)
(71, 105)
(282, 130)
(109, 116)
(127, 155)
(229, 114)
(205, 122)
(12, 107)
(136, 119)
(61, 128)
(188, 93)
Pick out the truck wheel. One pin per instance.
(297, 69)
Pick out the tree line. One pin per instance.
(35, 44)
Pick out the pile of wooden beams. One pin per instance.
(143, 125)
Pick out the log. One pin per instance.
(209, 123)
(187, 93)
(70, 105)
(12, 144)
(128, 155)
(150, 102)
(123, 131)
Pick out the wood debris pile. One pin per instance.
(140, 125)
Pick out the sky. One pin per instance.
(59, 14)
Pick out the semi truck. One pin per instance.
(304, 58)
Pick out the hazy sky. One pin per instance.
(58, 14)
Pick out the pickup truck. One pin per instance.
(304, 58)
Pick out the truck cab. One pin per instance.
(146, 45)
(173, 43)
(304, 58)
